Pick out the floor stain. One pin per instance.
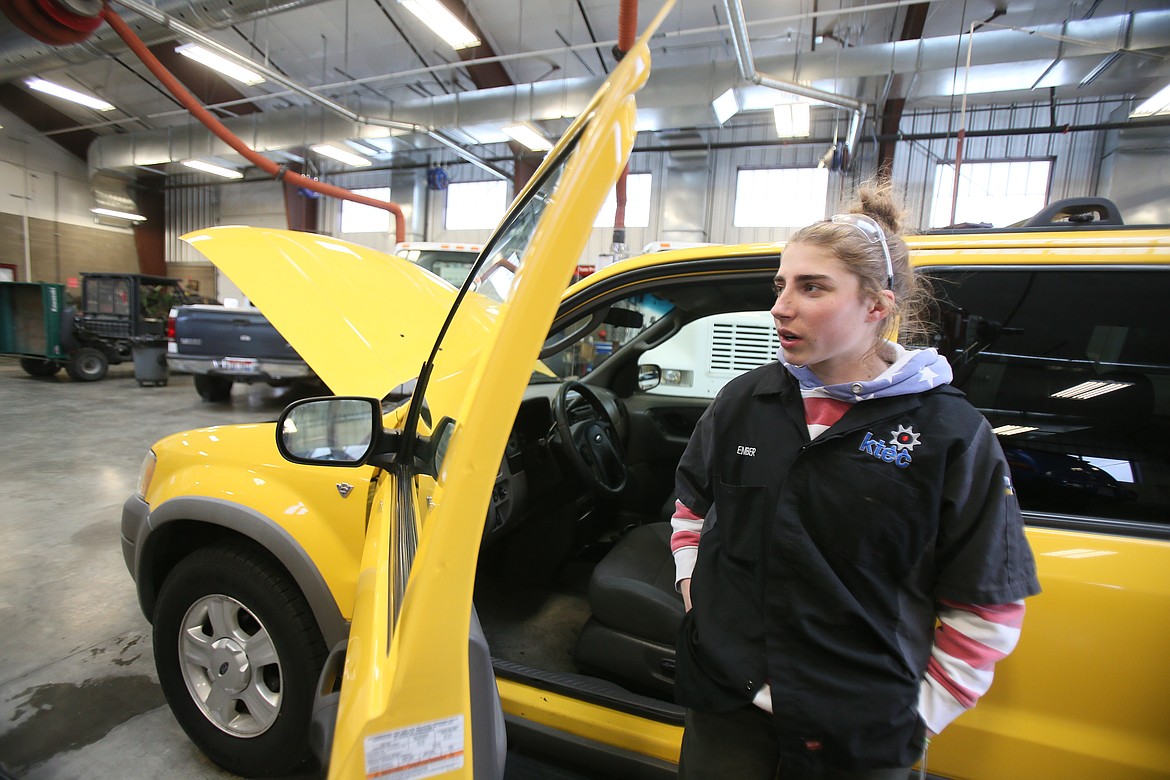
(67, 716)
(101, 532)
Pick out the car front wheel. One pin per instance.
(238, 654)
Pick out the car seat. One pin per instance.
(631, 635)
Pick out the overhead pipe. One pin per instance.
(280, 172)
(962, 136)
(627, 36)
(737, 25)
(191, 33)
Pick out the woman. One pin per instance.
(846, 536)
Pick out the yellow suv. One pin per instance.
(318, 576)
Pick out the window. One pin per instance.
(637, 203)
(360, 218)
(476, 205)
(998, 193)
(1078, 395)
(780, 197)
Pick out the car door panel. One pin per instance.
(1063, 686)
(660, 427)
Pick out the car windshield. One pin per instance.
(583, 345)
(492, 279)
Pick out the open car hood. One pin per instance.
(363, 320)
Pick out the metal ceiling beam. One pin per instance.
(890, 110)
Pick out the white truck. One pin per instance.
(707, 353)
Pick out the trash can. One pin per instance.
(150, 361)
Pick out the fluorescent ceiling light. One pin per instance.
(442, 22)
(341, 155)
(1092, 389)
(1012, 430)
(527, 136)
(726, 106)
(119, 214)
(793, 120)
(1158, 104)
(220, 63)
(218, 170)
(49, 88)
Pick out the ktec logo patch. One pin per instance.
(897, 450)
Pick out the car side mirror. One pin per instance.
(649, 377)
(334, 431)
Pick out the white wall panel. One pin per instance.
(40, 180)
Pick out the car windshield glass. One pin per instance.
(584, 344)
(489, 286)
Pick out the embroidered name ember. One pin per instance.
(889, 453)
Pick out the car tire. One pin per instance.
(88, 364)
(238, 655)
(213, 389)
(39, 366)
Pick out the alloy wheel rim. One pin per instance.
(230, 666)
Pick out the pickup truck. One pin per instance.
(223, 345)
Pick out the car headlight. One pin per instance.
(146, 473)
(677, 377)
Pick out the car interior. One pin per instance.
(576, 581)
(575, 584)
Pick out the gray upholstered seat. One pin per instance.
(636, 613)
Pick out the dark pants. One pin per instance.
(741, 744)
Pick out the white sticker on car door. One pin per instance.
(421, 750)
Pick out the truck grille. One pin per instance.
(737, 348)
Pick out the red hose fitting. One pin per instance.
(53, 22)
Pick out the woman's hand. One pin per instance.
(684, 587)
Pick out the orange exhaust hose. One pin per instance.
(214, 125)
(627, 25)
(627, 37)
(619, 196)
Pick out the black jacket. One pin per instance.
(820, 563)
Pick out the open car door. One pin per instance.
(417, 699)
(409, 705)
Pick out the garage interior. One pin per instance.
(911, 89)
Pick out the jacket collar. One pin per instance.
(777, 381)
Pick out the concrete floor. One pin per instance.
(79, 697)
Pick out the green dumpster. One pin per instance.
(30, 325)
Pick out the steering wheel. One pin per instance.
(590, 445)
